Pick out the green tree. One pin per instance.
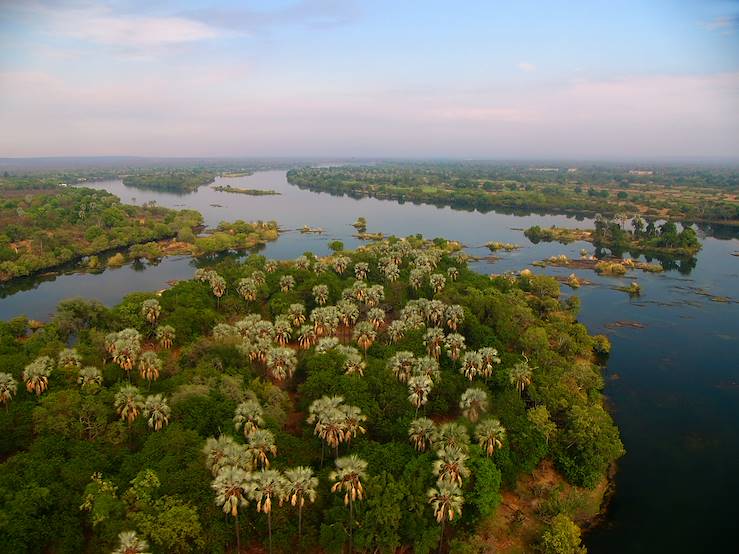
(562, 537)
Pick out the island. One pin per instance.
(641, 238)
(171, 180)
(381, 399)
(250, 192)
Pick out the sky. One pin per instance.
(491, 79)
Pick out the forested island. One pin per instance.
(691, 195)
(250, 192)
(173, 181)
(642, 238)
(378, 399)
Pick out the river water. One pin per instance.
(673, 385)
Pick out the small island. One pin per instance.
(250, 192)
(642, 238)
(170, 180)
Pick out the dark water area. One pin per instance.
(672, 385)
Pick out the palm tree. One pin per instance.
(348, 312)
(396, 330)
(415, 278)
(69, 359)
(471, 364)
(376, 316)
(455, 345)
(353, 420)
(128, 403)
(419, 388)
(450, 465)
(232, 485)
(266, 485)
(320, 294)
(126, 348)
(90, 376)
(326, 414)
(223, 332)
(249, 416)
(489, 359)
(247, 289)
(281, 363)
(427, 367)
(287, 282)
(392, 272)
(36, 374)
(151, 310)
(150, 366)
(283, 330)
(218, 286)
(306, 336)
(8, 388)
(446, 500)
(452, 273)
(218, 453)
(258, 277)
(354, 364)
(375, 295)
(360, 270)
(348, 476)
(490, 435)
(296, 314)
(421, 433)
(434, 339)
(474, 402)
(165, 335)
(157, 411)
(402, 364)
(270, 266)
(365, 335)
(340, 264)
(130, 543)
(520, 375)
(454, 316)
(437, 282)
(261, 444)
(435, 311)
(452, 435)
(302, 263)
(301, 486)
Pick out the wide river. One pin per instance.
(673, 384)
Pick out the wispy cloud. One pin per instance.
(526, 67)
(320, 14)
(103, 26)
(725, 24)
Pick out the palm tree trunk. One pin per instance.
(300, 524)
(351, 524)
(441, 538)
(238, 535)
(269, 530)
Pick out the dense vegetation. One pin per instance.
(683, 194)
(45, 229)
(250, 192)
(641, 238)
(378, 398)
(171, 180)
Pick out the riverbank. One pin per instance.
(250, 192)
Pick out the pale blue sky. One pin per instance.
(576, 79)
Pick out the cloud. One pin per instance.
(526, 67)
(725, 24)
(194, 114)
(319, 14)
(101, 25)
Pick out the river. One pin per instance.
(672, 386)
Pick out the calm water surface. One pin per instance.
(673, 385)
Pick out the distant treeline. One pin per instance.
(683, 194)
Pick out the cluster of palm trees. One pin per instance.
(130, 404)
(335, 422)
